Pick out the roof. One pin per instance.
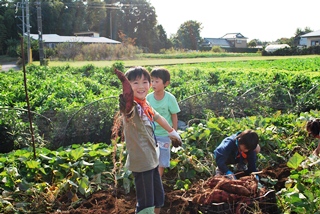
(234, 35)
(55, 38)
(312, 34)
(217, 42)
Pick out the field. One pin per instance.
(146, 60)
(70, 163)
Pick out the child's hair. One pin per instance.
(313, 127)
(161, 73)
(249, 139)
(137, 72)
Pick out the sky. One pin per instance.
(266, 20)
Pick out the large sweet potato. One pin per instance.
(218, 195)
(234, 188)
(126, 91)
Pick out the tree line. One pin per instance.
(129, 20)
(136, 19)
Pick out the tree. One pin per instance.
(287, 41)
(188, 35)
(8, 25)
(137, 19)
(3, 35)
(50, 13)
(96, 16)
(298, 34)
(252, 43)
(160, 40)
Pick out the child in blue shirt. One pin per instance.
(240, 148)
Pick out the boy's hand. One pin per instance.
(230, 175)
(175, 138)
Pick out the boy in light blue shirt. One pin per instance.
(166, 105)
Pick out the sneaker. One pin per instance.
(218, 172)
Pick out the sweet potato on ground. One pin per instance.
(218, 180)
(218, 195)
(236, 189)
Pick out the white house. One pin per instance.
(229, 40)
(51, 40)
(313, 38)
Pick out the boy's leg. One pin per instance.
(158, 192)
(149, 192)
(164, 158)
(161, 170)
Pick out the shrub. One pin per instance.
(217, 49)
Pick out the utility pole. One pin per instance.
(110, 25)
(39, 19)
(23, 25)
(28, 31)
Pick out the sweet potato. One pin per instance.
(218, 195)
(199, 198)
(126, 91)
(234, 188)
(216, 181)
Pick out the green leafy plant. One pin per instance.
(301, 194)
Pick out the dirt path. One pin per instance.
(6, 66)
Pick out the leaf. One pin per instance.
(99, 166)
(24, 185)
(65, 165)
(126, 185)
(295, 161)
(173, 163)
(84, 185)
(77, 153)
(85, 163)
(44, 157)
(309, 195)
(32, 164)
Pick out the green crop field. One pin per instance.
(72, 107)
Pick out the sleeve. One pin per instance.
(174, 106)
(223, 152)
(252, 158)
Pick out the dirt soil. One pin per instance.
(176, 201)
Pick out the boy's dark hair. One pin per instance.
(313, 127)
(137, 71)
(161, 73)
(249, 139)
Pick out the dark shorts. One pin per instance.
(149, 189)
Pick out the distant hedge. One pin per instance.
(293, 51)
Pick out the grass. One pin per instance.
(164, 62)
(5, 58)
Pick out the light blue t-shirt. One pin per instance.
(165, 107)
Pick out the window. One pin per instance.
(315, 43)
(239, 41)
